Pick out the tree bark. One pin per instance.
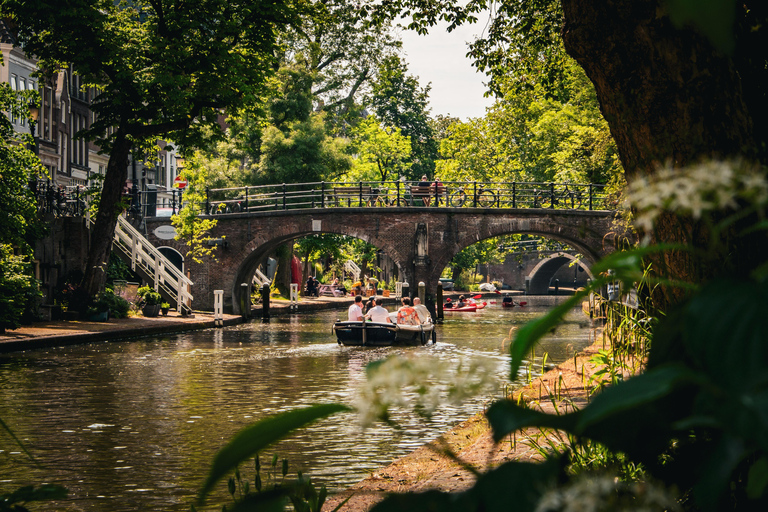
(670, 98)
(103, 230)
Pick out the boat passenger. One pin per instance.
(355, 313)
(421, 311)
(378, 313)
(369, 305)
(507, 300)
(448, 303)
(462, 302)
(406, 315)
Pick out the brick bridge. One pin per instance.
(421, 241)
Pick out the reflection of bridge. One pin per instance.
(421, 241)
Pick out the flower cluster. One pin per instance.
(696, 190)
(599, 493)
(424, 382)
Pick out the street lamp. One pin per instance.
(34, 115)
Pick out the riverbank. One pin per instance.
(565, 387)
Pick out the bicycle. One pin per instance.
(485, 198)
(380, 199)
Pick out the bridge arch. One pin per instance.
(541, 275)
(254, 252)
(421, 241)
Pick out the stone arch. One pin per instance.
(541, 275)
(258, 248)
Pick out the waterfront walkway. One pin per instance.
(70, 332)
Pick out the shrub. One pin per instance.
(148, 296)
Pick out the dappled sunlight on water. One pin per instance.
(134, 425)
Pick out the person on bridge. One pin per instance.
(378, 313)
(421, 311)
(355, 313)
(423, 191)
(407, 315)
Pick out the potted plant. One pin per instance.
(149, 300)
(164, 308)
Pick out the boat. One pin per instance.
(375, 334)
(510, 303)
(469, 308)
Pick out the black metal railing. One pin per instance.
(374, 194)
(72, 200)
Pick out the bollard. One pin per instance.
(422, 293)
(406, 291)
(440, 315)
(527, 285)
(294, 306)
(265, 302)
(218, 308)
(398, 291)
(245, 301)
(557, 287)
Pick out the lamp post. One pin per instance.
(34, 114)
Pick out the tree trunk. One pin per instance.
(103, 230)
(669, 98)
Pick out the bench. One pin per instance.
(350, 194)
(427, 192)
(330, 290)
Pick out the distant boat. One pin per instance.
(469, 308)
(374, 334)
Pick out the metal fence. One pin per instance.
(474, 194)
(63, 201)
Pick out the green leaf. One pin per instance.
(532, 332)
(261, 434)
(757, 479)
(506, 417)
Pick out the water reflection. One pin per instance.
(134, 425)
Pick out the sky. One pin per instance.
(439, 58)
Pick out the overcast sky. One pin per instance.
(439, 58)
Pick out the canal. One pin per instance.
(134, 425)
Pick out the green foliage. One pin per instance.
(118, 270)
(17, 287)
(381, 153)
(249, 441)
(190, 227)
(399, 102)
(18, 499)
(116, 305)
(148, 296)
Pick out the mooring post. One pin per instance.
(245, 301)
(557, 287)
(218, 308)
(406, 290)
(294, 297)
(265, 302)
(440, 315)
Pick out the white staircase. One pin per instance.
(352, 268)
(155, 268)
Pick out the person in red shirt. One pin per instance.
(407, 315)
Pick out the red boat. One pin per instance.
(448, 307)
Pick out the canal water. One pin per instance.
(134, 425)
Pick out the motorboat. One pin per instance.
(375, 334)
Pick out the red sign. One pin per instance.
(179, 182)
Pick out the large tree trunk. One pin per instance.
(669, 98)
(103, 230)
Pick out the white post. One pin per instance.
(294, 296)
(398, 290)
(218, 308)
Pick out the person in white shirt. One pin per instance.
(421, 311)
(378, 314)
(355, 313)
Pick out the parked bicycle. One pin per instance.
(484, 198)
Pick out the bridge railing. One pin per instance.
(376, 194)
(475, 194)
